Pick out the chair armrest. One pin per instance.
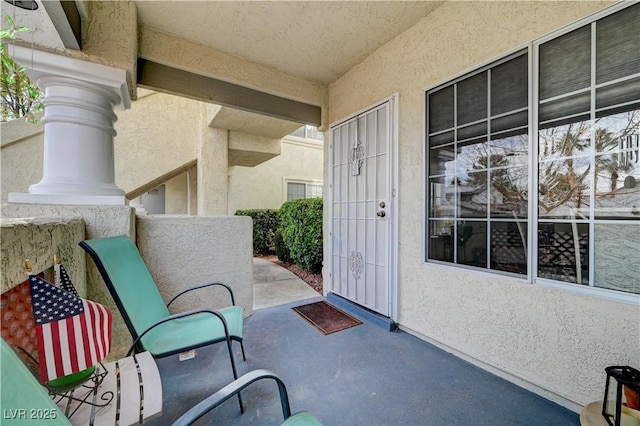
(198, 287)
(177, 316)
(211, 402)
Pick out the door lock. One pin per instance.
(382, 204)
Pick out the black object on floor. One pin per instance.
(325, 317)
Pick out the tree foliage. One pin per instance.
(20, 97)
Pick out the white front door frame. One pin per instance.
(392, 210)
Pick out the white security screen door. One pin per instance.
(362, 210)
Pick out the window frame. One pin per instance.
(532, 51)
(308, 131)
(285, 186)
(485, 67)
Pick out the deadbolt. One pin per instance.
(381, 213)
(382, 204)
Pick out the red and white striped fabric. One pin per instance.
(72, 333)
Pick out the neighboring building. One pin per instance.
(295, 173)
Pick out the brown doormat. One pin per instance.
(325, 317)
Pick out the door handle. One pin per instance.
(381, 213)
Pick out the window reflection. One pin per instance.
(442, 160)
(563, 188)
(441, 240)
(472, 156)
(511, 151)
(617, 171)
(565, 141)
(509, 192)
(509, 246)
(617, 188)
(442, 197)
(472, 243)
(472, 195)
(563, 252)
(616, 248)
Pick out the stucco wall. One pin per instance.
(261, 187)
(184, 251)
(177, 193)
(556, 339)
(39, 239)
(21, 156)
(160, 127)
(110, 37)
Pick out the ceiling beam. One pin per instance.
(67, 22)
(163, 78)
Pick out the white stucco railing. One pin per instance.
(182, 251)
(39, 239)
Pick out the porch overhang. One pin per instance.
(163, 78)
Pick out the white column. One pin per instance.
(78, 162)
(213, 165)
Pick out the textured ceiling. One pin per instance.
(317, 40)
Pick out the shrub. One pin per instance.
(282, 251)
(301, 223)
(20, 96)
(265, 223)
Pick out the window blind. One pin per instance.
(440, 109)
(472, 99)
(618, 45)
(565, 63)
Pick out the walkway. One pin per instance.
(274, 285)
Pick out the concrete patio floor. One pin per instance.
(360, 376)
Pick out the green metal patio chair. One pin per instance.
(24, 400)
(148, 319)
(303, 418)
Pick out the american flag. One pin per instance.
(62, 279)
(72, 333)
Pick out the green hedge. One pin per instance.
(301, 224)
(265, 223)
(282, 251)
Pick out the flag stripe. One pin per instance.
(107, 329)
(79, 344)
(104, 327)
(54, 331)
(63, 338)
(90, 333)
(84, 340)
(40, 342)
(95, 318)
(71, 340)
